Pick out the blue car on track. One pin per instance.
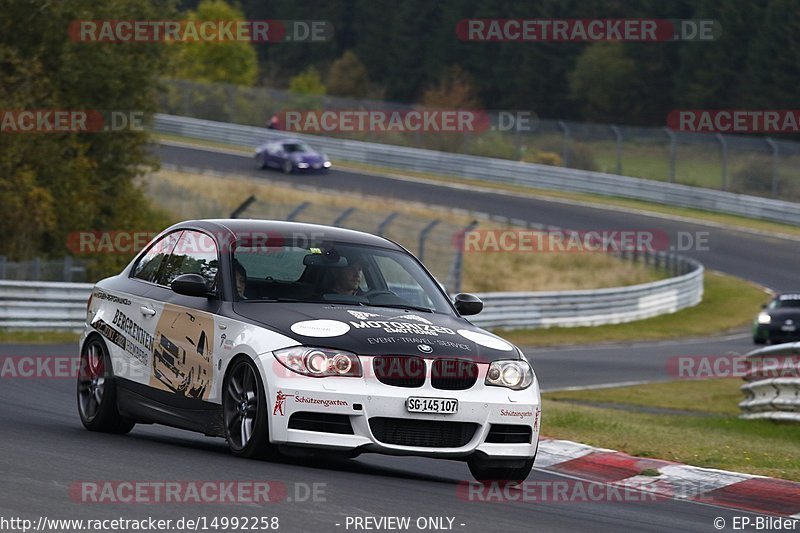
(291, 155)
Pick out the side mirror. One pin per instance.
(190, 285)
(468, 304)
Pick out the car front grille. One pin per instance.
(509, 434)
(422, 433)
(399, 370)
(321, 422)
(453, 374)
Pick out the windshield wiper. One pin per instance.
(403, 306)
(302, 301)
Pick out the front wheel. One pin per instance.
(288, 167)
(97, 391)
(244, 411)
(487, 470)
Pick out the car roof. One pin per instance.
(788, 296)
(242, 227)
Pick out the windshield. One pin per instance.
(786, 302)
(334, 272)
(296, 147)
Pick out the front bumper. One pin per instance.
(311, 166)
(364, 400)
(775, 333)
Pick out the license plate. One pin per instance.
(432, 405)
(788, 328)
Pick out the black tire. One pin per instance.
(759, 340)
(244, 412)
(488, 470)
(97, 391)
(287, 167)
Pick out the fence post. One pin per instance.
(458, 258)
(2, 267)
(775, 161)
(37, 269)
(618, 135)
(565, 149)
(296, 211)
(724, 144)
(673, 145)
(385, 224)
(243, 207)
(68, 268)
(343, 216)
(423, 236)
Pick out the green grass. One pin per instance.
(37, 337)
(716, 396)
(730, 221)
(728, 303)
(718, 440)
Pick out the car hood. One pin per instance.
(783, 314)
(307, 157)
(378, 330)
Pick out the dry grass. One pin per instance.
(553, 271)
(208, 196)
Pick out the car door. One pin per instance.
(183, 350)
(128, 320)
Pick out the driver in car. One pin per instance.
(241, 278)
(346, 280)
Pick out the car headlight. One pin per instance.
(764, 318)
(515, 375)
(319, 362)
(326, 164)
(302, 165)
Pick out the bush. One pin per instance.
(754, 177)
(492, 144)
(543, 158)
(581, 157)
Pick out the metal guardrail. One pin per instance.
(772, 384)
(593, 307)
(44, 305)
(494, 170)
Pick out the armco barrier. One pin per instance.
(494, 170)
(43, 305)
(593, 307)
(772, 387)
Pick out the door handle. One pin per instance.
(146, 311)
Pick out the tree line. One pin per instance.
(399, 50)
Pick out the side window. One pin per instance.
(194, 253)
(147, 267)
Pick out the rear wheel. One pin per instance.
(487, 470)
(262, 160)
(97, 392)
(244, 411)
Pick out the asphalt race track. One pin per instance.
(46, 451)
